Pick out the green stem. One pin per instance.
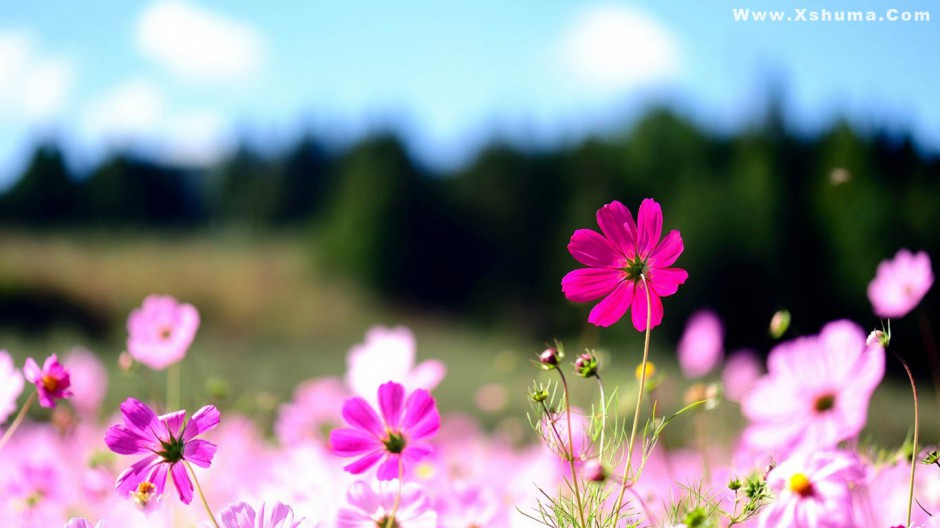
(18, 420)
(910, 497)
(600, 384)
(390, 521)
(201, 495)
(639, 400)
(574, 474)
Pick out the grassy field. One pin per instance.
(271, 320)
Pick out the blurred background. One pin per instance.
(300, 173)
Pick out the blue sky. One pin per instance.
(185, 80)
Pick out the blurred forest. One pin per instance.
(771, 219)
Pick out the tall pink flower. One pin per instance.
(399, 436)
(702, 344)
(11, 385)
(166, 441)
(900, 284)
(274, 515)
(52, 380)
(616, 261)
(371, 506)
(161, 331)
(813, 491)
(816, 391)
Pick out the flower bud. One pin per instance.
(734, 485)
(878, 337)
(549, 358)
(779, 323)
(594, 471)
(586, 365)
(539, 394)
(125, 362)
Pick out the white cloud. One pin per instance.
(615, 48)
(33, 84)
(126, 112)
(197, 44)
(197, 138)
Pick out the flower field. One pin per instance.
(627, 436)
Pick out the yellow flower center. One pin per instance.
(145, 492)
(647, 373)
(50, 383)
(800, 484)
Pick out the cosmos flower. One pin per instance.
(271, 515)
(370, 507)
(75, 522)
(11, 385)
(397, 438)
(389, 353)
(616, 261)
(900, 284)
(161, 331)
(52, 380)
(702, 344)
(168, 441)
(813, 491)
(816, 391)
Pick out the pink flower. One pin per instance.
(813, 491)
(617, 259)
(11, 385)
(89, 381)
(52, 380)
(742, 369)
(161, 331)
(276, 515)
(389, 353)
(166, 441)
(82, 523)
(702, 344)
(398, 437)
(816, 391)
(370, 507)
(900, 284)
(311, 413)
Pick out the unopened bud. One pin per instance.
(594, 471)
(586, 365)
(125, 362)
(878, 337)
(539, 394)
(779, 323)
(734, 485)
(549, 357)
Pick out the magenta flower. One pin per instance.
(900, 284)
(370, 507)
(168, 442)
(813, 491)
(161, 331)
(75, 522)
(398, 437)
(816, 391)
(617, 259)
(11, 385)
(702, 344)
(52, 380)
(276, 515)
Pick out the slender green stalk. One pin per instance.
(639, 400)
(173, 387)
(910, 497)
(390, 520)
(574, 474)
(600, 384)
(201, 495)
(18, 420)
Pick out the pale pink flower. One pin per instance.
(813, 491)
(312, 413)
(161, 331)
(89, 381)
(82, 523)
(741, 371)
(11, 385)
(816, 391)
(389, 354)
(616, 261)
(273, 515)
(52, 381)
(371, 506)
(702, 344)
(900, 284)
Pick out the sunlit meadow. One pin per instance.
(371, 447)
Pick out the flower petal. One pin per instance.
(591, 249)
(421, 416)
(360, 414)
(390, 468)
(667, 251)
(665, 281)
(205, 419)
(639, 309)
(364, 463)
(353, 442)
(184, 486)
(31, 371)
(650, 226)
(612, 308)
(616, 222)
(588, 284)
(128, 480)
(391, 396)
(199, 452)
(124, 441)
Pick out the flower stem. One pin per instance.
(173, 387)
(574, 474)
(390, 520)
(910, 497)
(18, 420)
(639, 400)
(600, 384)
(201, 495)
